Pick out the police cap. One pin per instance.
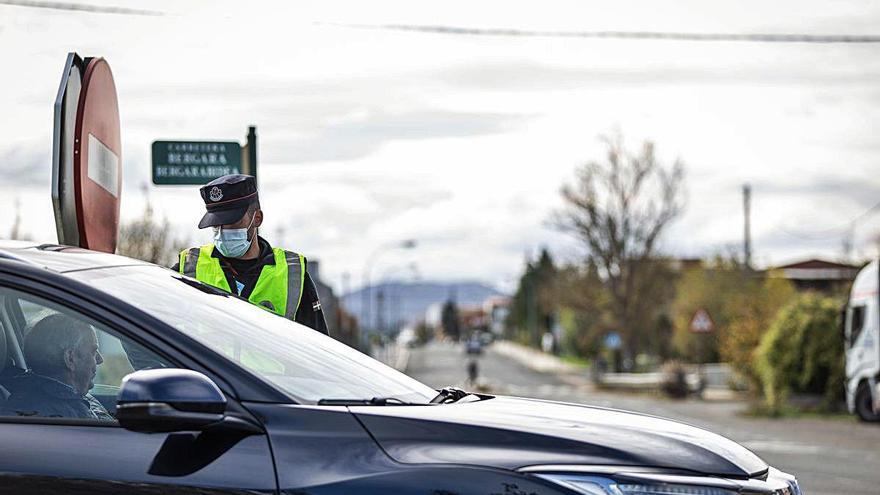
(227, 199)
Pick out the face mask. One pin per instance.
(233, 243)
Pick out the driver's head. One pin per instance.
(66, 349)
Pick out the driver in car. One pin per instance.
(62, 353)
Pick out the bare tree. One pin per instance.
(148, 239)
(618, 209)
(16, 233)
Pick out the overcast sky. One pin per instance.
(368, 136)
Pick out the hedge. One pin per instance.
(802, 352)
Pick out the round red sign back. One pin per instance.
(97, 164)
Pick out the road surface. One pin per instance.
(829, 456)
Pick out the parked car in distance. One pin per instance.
(473, 346)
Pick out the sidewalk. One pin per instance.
(533, 358)
(579, 376)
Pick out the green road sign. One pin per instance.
(194, 162)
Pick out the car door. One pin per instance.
(70, 455)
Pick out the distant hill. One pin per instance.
(411, 300)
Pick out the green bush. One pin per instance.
(802, 352)
(742, 305)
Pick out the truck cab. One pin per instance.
(862, 343)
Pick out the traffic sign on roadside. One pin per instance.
(612, 341)
(701, 322)
(97, 159)
(194, 162)
(87, 155)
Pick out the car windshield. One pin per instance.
(305, 364)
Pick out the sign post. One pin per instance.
(249, 152)
(612, 341)
(63, 200)
(196, 163)
(97, 159)
(87, 155)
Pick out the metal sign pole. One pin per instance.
(252, 152)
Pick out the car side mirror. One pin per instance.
(168, 400)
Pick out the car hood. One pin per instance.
(511, 433)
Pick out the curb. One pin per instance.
(534, 359)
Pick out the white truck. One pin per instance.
(862, 342)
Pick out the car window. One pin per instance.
(856, 321)
(33, 312)
(303, 363)
(67, 365)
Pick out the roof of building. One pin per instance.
(816, 269)
(816, 263)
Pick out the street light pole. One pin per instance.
(366, 300)
(392, 297)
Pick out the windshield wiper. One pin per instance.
(448, 395)
(375, 401)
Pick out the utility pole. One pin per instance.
(847, 243)
(747, 226)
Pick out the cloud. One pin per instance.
(861, 191)
(360, 136)
(30, 164)
(303, 121)
(327, 205)
(533, 76)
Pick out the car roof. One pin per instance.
(60, 258)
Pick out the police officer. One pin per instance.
(242, 262)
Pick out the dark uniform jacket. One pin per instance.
(37, 395)
(247, 272)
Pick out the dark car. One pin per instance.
(211, 394)
(473, 346)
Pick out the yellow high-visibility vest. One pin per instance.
(279, 288)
